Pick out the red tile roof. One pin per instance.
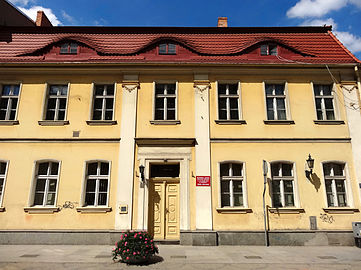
(313, 45)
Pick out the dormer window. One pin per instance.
(167, 48)
(269, 49)
(69, 48)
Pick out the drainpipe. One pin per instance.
(358, 85)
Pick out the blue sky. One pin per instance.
(344, 15)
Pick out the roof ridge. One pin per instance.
(343, 46)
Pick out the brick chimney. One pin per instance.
(222, 22)
(42, 20)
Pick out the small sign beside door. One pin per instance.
(203, 181)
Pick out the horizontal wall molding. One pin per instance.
(281, 140)
(165, 141)
(41, 140)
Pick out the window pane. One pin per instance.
(89, 199)
(225, 200)
(61, 115)
(234, 115)
(170, 114)
(99, 89)
(273, 49)
(338, 169)
(51, 103)
(233, 89)
(275, 169)
(92, 168)
(318, 103)
(62, 103)
(171, 48)
(2, 115)
(264, 49)
(103, 185)
(43, 168)
(238, 200)
(6, 90)
(102, 199)
(159, 114)
(159, 88)
(225, 186)
(164, 170)
(280, 89)
(98, 103)
(281, 115)
(159, 103)
(50, 200)
(90, 185)
(170, 103)
(340, 186)
(269, 89)
(108, 115)
(276, 195)
(170, 89)
(54, 168)
(225, 169)
(14, 103)
(64, 48)
(287, 169)
(327, 169)
(38, 198)
(222, 114)
(222, 103)
(97, 115)
(162, 48)
(280, 103)
(104, 168)
(327, 90)
(236, 169)
(2, 168)
(330, 115)
(330, 201)
(63, 90)
(233, 103)
(317, 89)
(222, 89)
(109, 103)
(50, 115)
(237, 186)
(110, 89)
(328, 103)
(73, 48)
(40, 185)
(289, 201)
(4, 103)
(288, 186)
(52, 185)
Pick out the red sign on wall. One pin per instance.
(203, 181)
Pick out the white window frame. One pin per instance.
(46, 99)
(34, 182)
(334, 102)
(164, 100)
(286, 97)
(243, 178)
(8, 111)
(281, 178)
(4, 176)
(99, 177)
(91, 110)
(346, 178)
(240, 116)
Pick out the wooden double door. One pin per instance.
(164, 208)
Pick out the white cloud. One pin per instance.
(67, 17)
(22, 3)
(32, 11)
(315, 8)
(320, 22)
(352, 42)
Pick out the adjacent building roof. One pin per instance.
(232, 45)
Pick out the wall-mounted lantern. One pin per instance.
(310, 162)
(141, 171)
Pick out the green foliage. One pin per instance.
(134, 246)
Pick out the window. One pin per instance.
(56, 102)
(103, 104)
(324, 102)
(228, 101)
(268, 49)
(69, 48)
(232, 184)
(167, 48)
(97, 182)
(165, 101)
(276, 102)
(9, 101)
(3, 171)
(46, 182)
(282, 184)
(335, 182)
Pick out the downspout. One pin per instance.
(357, 72)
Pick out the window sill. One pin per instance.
(93, 209)
(238, 210)
(279, 122)
(286, 210)
(165, 122)
(41, 210)
(340, 210)
(53, 123)
(101, 122)
(9, 122)
(230, 122)
(2, 209)
(329, 122)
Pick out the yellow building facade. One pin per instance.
(175, 147)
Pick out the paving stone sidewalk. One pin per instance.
(182, 257)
